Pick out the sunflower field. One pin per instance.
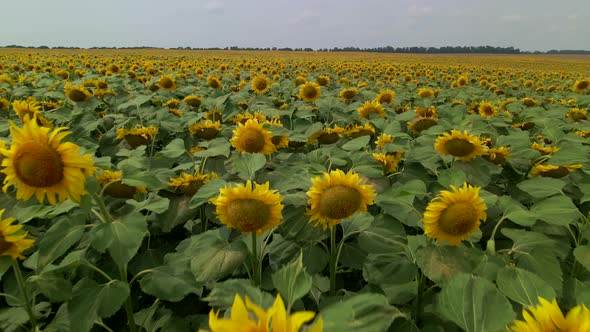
(161, 190)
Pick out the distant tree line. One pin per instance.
(386, 49)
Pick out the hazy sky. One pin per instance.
(526, 24)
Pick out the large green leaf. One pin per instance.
(523, 286)
(292, 281)
(557, 210)
(214, 257)
(223, 294)
(441, 263)
(169, 284)
(474, 304)
(59, 238)
(541, 187)
(245, 165)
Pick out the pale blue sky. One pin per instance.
(526, 24)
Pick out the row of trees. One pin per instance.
(387, 49)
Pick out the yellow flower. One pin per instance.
(385, 97)
(389, 161)
(310, 91)
(205, 129)
(4, 104)
(577, 114)
(214, 82)
(421, 123)
(425, 93)
(548, 317)
(114, 187)
(383, 140)
(337, 196)
(545, 150)
(497, 155)
(323, 80)
(189, 184)
(242, 118)
(248, 208)
(299, 80)
(77, 94)
(39, 164)
(453, 216)
(357, 130)
(242, 318)
(166, 82)
(172, 103)
(462, 146)
(253, 138)
(176, 112)
(260, 84)
(13, 240)
(26, 109)
(371, 107)
(327, 135)
(487, 110)
(554, 171)
(581, 85)
(138, 135)
(348, 93)
(193, 100)
(461, 81)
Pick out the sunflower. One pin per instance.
(581, 85)
(554, 171)
(172, 103)
(166, 82)
(77, 94)
(389, 161)
(176, 112)
(253, 138)
(529, 102)
(355, 130)
(26, 109)
(348, 93)
(385, 97)
(249, 208)
(137, 136)
(462, 146)
(189, 184)
(327, 135)
(4, 104)
(310, 91)
(429, 112)
(205, 129)
(39, 164)
(583, 133)
(577, 114)
(193, 101)
(371, 107)
(323, 80)
(425, 93)
(383, 140)
(243, 117)
(497, 156)
(547, 316)
(298, 81)
(241, 318)
(114, 187)
(545, 150)
(461, 81)
(260, 84)
(214, 82)
(487, 110)
(337, 196)
(453, 216)
(13, 240)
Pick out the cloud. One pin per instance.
(513, 18)
(415, 10)
(306, 17)
(214, 7)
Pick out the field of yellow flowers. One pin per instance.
(161, 190)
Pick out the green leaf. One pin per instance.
(441, 263)
(178, 212)
(557, 210)
(363, 312)
(356, 143)
(516, 212)
(245, 165)
(174, 149)
(523, 286)
(206, 192)
(541, 187)
(153, 203)
(122, 237)
(53, 285)
(213, 257)
(59, 238)
(12, 318)
(357, 223)
(216, 147)
(582, 255)
(169, 284)
(398, 201)
(222, 295)
(474, 304)
(92, 301)
(292, 281)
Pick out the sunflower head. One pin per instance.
(26, 109)
(487, 110)
(13, 241)
(114, 187)
(137, 136)
(581, 85)
(214, 82)
(39, 164)
(299, 80)
(371, 107)
(77, 94)
(166, 82)
(205, 129)
(243, 117)
(189, 184)
(323, 80)
(336, 196)
(355, 130)
(554, 171)
(253, 138)
(497, 156)
(193, 101)
(547, 316)
(421, 123)
(429, 112)
(425, 93)
(462, 146)
(545, 150)
(383, 140)
(172, 103)
(260, 84)
(327, 136)
(310, 91)
(248, 207)
(386, 97)
(348, 93)
(4, 104)
(453, 216)
(577, 114)
(389, 161)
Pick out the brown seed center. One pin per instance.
(166, 83)
(459, 147)
(38, 165)
(309, 92)
(4, 245)
(260, 84)
(248, 215)
(251, 140)
(339, 202)
(77, 95)
(458, 219)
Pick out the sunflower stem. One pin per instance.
(128, 303)
(103, 209)
(419, 298)
(333, 260)
(21, 284)
(491, 245)
(255, 262)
